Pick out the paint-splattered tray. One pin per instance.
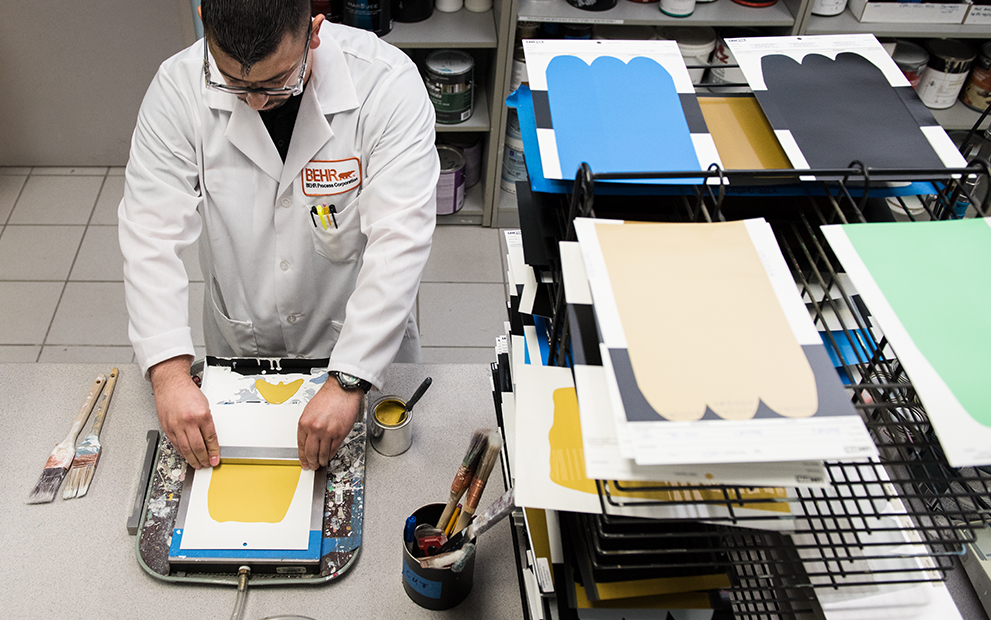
(342, 519)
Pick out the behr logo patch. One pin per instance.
(327, 178)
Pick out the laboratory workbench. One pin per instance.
(75, 559)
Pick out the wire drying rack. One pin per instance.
(900, 520)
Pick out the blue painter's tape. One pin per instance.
(426, 587)
(312, 552)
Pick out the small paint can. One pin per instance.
(977, 89)
(828, 8)
(945, 73)
(434, 588)
(518, 76)
(449, 6)
(470, 145)
(677, 8)
(451, 183)
(911, 59)
(527, 30)
(449, 79)
(389, 426)
(513, 163)
(372, 15)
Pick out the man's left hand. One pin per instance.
(325, 423)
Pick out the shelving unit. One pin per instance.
(486, 34)
(787, 17)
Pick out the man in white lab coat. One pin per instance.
(301, 154)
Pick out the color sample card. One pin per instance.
(711, 354)
(550, 464)
(620, 106)
(926, 285)
(836, 99)
(743, 137)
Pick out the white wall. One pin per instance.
(72, 75)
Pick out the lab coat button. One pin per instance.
(291, 318)
(284, 265)
(286, 202)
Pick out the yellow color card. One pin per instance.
(743, 137)
(250, 493)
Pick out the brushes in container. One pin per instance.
(61, 457)
(464, 476)
(474, 492)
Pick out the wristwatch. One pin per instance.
(351, 382)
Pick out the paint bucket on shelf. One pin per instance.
(449, 78)
(513, 164)
(677, 8)
(451, 183)
(696, 45)
(518, 75)
(434, 588)
(448, 6)
(470, 145)
(828, 8)
(945, 73)
(911, 59)
(722, 57)
(977, 89)
(412, 11)
(575, 31)
(372, 15)
(478, 6)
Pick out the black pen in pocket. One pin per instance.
(322, 211)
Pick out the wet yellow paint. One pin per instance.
(390, 413)
(277, 393)
(251, 493)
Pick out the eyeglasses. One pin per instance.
(294, 90)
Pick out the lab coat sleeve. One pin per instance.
(398, 214)
(158, 219)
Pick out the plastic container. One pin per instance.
(677, 8)
(828, 8)
(696, 45)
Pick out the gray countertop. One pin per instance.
(75, 559)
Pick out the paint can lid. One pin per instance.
(451, 158)
(909, 55)
(950, 49)
(449, 62)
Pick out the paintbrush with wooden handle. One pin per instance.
(474, 492)
(464, 476)
(61, 457)
(88, 452)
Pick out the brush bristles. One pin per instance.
(48, 485)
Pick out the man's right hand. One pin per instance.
(184, 413)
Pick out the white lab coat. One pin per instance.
(202, 165)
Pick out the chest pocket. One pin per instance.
(342, 243)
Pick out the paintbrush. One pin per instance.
(88, 452)
(474, 492)
(472, 457)
(61, 457)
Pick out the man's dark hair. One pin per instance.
(250, 30)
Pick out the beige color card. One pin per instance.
(703, 324)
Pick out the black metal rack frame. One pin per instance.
(839, 537)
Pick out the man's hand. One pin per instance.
(325, 423)
(184, 412)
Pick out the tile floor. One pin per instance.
(62, 290)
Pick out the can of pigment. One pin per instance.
(372, 15)
(451, 183)
(449, 77)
